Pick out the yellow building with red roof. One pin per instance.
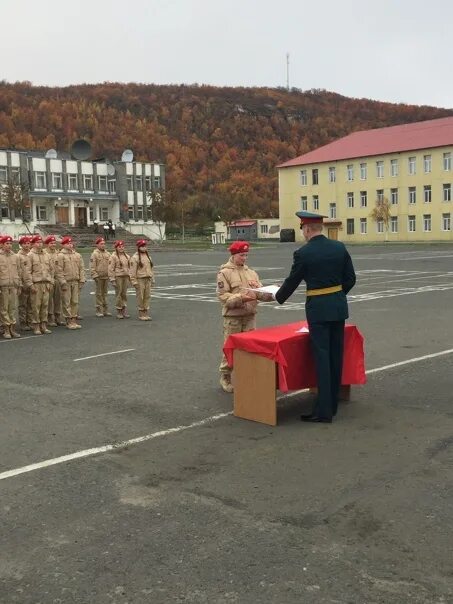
(405, 171)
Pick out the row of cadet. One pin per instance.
(43, 283)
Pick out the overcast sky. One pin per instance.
(390, 50)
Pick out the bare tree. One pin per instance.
(381, 212)
(14, 195)
(163, 209)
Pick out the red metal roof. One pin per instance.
(407, 137)
(242, 223)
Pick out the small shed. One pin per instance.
(243, 229)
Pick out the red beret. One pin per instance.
(36, 239)
(66, 240)
(50, 239)
(6, 239)
(239, 247)
(99, 240)
(25, 239)
(118, 243)
(141, 243)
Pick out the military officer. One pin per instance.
(54, 312)
(239, 305)
(99, 266)
(24, 274)
(42, 277)
(70, 274)
(119, 271)
(142, 277)
(326, 267)
(9, 287)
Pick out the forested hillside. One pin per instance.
(220, 145)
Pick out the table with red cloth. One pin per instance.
(287, 350)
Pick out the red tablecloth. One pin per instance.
(292, 353)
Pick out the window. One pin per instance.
(363, 226)
(380, 169)
(350, 199)
(104, 214)
(332, 175)
(15, 175)
(157, 182)
(446, 222)
(412, 195)
(447, 161)
(380, 195)
(380, 225)
(73, 182)
(303, 177)
(332, 210)
(148, 183)
(264, 229)
(4, 211)
(57, 181)
(412, 166)
(130, 212)
(411, 224)
(394, 224)
(139, 212)
(91, 212)
(102, 184)
(112, 186)
(315, 176)
(315, 202)
(149, 212)
(427, 163)
(139, 183)
(3, 174)
(350, 226)
(363, 171)
(41, 213)
(447, 192)
(88, 182)
(304, 203)
(350, 172)
(427, 193)
(363, 199)
(394, 167)
(394, 196)
(130, 184)
(427, 223)
(40, 180)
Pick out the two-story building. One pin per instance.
(406, 168)
(59, 189)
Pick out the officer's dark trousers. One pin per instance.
(327, 340)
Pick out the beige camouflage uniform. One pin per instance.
(99, 266)
(142, 277)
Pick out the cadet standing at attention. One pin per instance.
(24, 274)
(54, 312)
(119, 267)
(239, 306)
(142, 277)
(326, 267)
(42, 278)
(99, 266)
(70, 272)
(9, 287)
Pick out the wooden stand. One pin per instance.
(255, 387)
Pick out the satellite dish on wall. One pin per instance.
(127, 156)
(81, 149)
(110, 168)
(51, 154)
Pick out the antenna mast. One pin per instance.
(287, 71)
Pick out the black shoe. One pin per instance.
(315, 418)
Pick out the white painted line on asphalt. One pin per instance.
(106, 448)
(21, 339)
(104, 354)
(207, 420)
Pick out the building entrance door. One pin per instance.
(81, 217)
(62, 215)
(332, 233)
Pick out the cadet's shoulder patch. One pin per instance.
(220, 284)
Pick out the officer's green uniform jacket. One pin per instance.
(321, 263)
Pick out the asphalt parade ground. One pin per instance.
(198, 506)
